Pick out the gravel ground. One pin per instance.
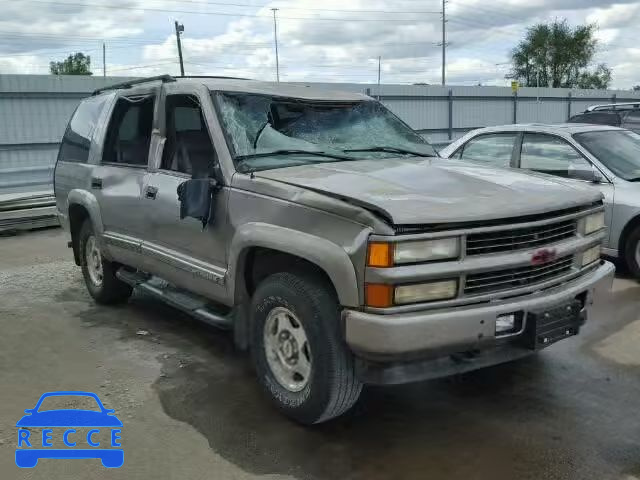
(191, 408)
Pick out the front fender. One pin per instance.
(330, 257)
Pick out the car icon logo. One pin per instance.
(68, 424)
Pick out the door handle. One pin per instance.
(150, 192)
(96, 183)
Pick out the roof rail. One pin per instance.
(613, 106)
(130, 83)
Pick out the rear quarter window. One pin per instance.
(77, 138)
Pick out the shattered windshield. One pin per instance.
(271, 132)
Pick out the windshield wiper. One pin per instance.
(242, 158)
(390, 150)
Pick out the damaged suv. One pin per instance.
(324, 232)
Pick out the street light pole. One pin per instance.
(379, 61)
(275, 38)
(444, 42)
(179, 30)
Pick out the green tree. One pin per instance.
(76, 64)
(557, 55)
(636, 88)
(599, 79)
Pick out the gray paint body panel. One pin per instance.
(325, 214)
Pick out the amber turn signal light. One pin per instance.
(378, 295)
(380, 254)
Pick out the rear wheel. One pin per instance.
(632, 252)
(299, 356)
(99, 273)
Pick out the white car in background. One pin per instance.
(603, 157)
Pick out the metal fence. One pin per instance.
(34, 110)
(443, 114)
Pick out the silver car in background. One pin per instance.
(607, 158)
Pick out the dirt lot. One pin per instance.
(191, 408)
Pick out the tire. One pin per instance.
(100, 277)
(632, 252)
(331, 386)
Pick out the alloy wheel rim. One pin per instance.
(287, 349)
(93, 260)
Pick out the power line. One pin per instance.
(289, 7)
(226, 14)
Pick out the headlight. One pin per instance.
(383, 254)
(590, 256)
(593, 223)
(426, 292)
(427, 250)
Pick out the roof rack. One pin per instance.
(131, 83)
(614, 106)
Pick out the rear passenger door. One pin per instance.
(118, 179)
(183, 251)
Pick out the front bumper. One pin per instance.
(449, 331)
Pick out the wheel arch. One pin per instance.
(327, 257)
(629, 227)
(82, 206)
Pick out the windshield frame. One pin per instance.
(216, 96)
(604, 168)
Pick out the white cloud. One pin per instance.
(316, 43)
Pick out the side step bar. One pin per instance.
(195, 305)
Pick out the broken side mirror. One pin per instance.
(196, 197)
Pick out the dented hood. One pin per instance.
(425, 191)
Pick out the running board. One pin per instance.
(195, 305)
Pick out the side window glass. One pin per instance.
(129, 134)
(632, 122)
(552, 155)
(77, 138)
(188, 148)
(495, 150)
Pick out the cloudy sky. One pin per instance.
(329, 40)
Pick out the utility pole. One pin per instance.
(275, 38)
(379, 61)
(179, 30)
(444, 42)
(104, 60)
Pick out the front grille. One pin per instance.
(519, 238)
(498, 280)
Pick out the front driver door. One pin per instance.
(183, 251)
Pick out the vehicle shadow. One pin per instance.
(529, 419)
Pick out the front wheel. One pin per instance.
(300, 358)
(632, 253)
(99, 273)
